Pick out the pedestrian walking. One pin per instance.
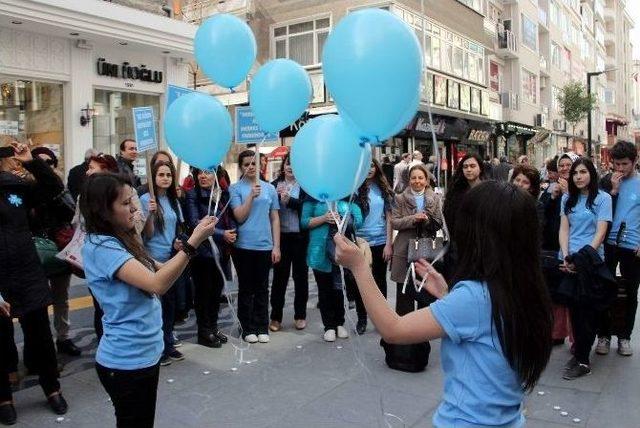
(207, 278)
(161, 233)
(585, 216)
(24, 289)
(622, 247)
(375, 199)
(322, 223)
(255, 207)
(495, 319)
(293, 248)
(127, 282)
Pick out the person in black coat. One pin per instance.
(24, 285)
(78, 174)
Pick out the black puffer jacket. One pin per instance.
(22, 280)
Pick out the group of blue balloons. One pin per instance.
(372, 65)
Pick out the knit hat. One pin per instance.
(42, 150)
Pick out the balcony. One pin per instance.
(609, 14)
(544, 66)
(507, 44)
(609, 38)
(195, 12)
(543, 20)
(510, 100)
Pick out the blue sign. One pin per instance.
(247, 131)
(174, 92)
(144, 126)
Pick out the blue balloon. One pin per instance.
(372, 64)
(280, 92)
(328, 160)
(198, 129)
(225, 48)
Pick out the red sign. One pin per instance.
(279, 152)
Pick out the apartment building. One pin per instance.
(455, 44)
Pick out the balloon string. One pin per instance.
(341, 226)
(216, 185)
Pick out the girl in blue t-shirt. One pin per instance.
(375, 199)
(585, 215)
(126, 281)
(255, 206)
(495, 322)
(160, 239)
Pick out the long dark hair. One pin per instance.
(457, 189)
(574, 192)
(499, 244)
(96, 205)
(362, 197)
(286, 160)
(172, 192)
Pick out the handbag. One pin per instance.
(407, 358)
(424, 248)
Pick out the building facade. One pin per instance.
(70, 72)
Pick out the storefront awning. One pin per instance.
(515, 128)
(450, 128)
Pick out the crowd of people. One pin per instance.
(505, 249)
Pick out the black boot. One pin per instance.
(209, 340)
(8, 414)
(221, 336)
(58, 404)
(361, 327)
(67, 347)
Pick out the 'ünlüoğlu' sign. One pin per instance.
(126, 71)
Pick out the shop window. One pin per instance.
(113, 119)
(33, 111)
(302, 42)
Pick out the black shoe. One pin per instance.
(165, 360)
(210, 341)
(221, 336)
(577, 371)
(571, 363)
(175, 355)
(58, 404)
(361, 327)
(8, 414)
(67, 347)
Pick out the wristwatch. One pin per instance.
(189, 249)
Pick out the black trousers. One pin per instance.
(584, 322)
(330, 297)
(630, 271)
(208, 285)
(38, 344)
(133, 394)
(293, 248)
(253, 268)
(168, 301)
(379, 271)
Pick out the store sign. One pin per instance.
(247, 130)
(130, 72)
(144, 127)
(479, 135)
(423, 125)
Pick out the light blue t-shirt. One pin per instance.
(160, 244)
(255, 232)
(480, 387)
(132, 319)
(583, 222)
(627, 211)
(374, 227)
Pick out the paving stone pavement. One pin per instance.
(298, 380)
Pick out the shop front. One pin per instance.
(70, 77)
(512, 139)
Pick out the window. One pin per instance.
(33, 110)
(529, 87)
(555, 55)
(553, 12)
(494, 76)
(473, 4)
(301, 42)
(610, 96)
(566, 61)
(555, 96)
(587, 16)
(529, 33)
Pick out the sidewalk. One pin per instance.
(298, 380)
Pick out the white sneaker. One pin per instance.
(624, 347)
(330, 335)
(263, 338)
(342, 332)
(251, 338)
(603, 346)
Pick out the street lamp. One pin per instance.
(589, 76)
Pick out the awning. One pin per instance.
(515, 128)
(450, 128)
(279, 152)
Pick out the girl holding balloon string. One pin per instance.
(255, 206)
(494, 318)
